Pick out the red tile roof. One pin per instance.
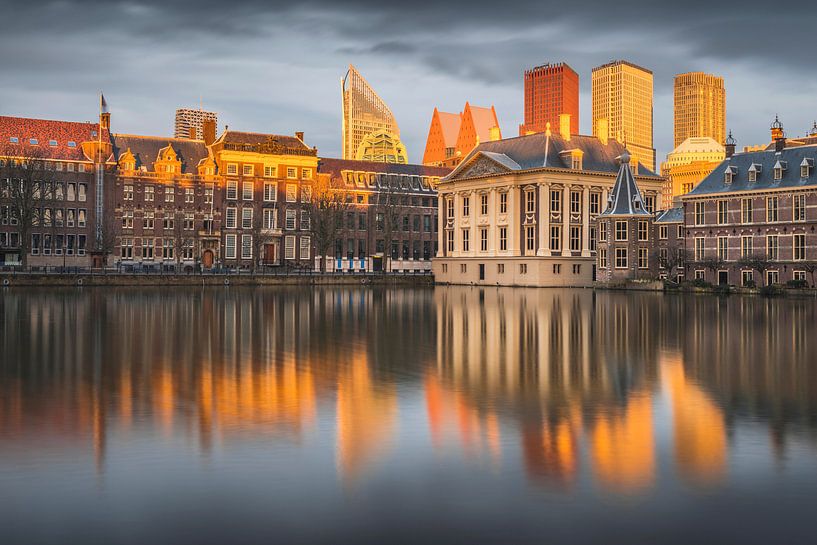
(44, 131)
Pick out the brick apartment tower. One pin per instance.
(550, 90)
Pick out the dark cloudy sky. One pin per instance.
(276, 67)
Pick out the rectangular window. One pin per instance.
(699, 213)
(747, 278)
(189, 195)
(523, 268)
(771, 209)
(799, 208)
(127, 219)
(246, 246)
(466, 234)
(291, 218)
(170, 194)
(292, 173)
(232, 168)
(483, 204)
(643, 258)
(82, 192)
(168, 222)
(246, 218)
(603, 231)
(449, 241)
(621, 231)
(189, 221)
(575, 202)
(305, 221)
(289, 247)
(306, 174)
(230, 246)
(500, 268)
(449, 208)
(621, 258)
(799, 241)
(208, 193)
(81, 217)
(483, 239)
(603, 258)
(663, 232)
(246, 191)
(680, 232)
(593, 239)
(231, 218)
(503, 239)
(127, 193)
(722, 212)
(595, 200)
(772, 247)
(746, 211)
(247, 170)
(530, 201)
(746, 248)
(292, 193)
(306, 193)
(643, 231)
(555, 202)
(147, 248)
(575, 238)
(270, 191)
(269, 172)
(723, 248)
(232, 190)
(466, 206)
(306, 247)
(269, 218)
(650, 204)
(699, 248)
(556, 238)
(530, 238)
(503, 203)
(167, 249)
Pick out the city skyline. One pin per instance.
(306, 98)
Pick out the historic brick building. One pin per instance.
(391, 221)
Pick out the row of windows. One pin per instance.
(747, 250)
(523, 268)
(48, 244)
(356, 248)
(57, 191)
(621, 234)
(747, 213)
(268, 219)
(231, 247)
(35, 142)
(168, 220)
(270, 193)
(556, 200)
(575, 239)
(621, 258)
(189, 193)
(269, 171)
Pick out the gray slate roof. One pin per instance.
(672, 215)
(528, 152)
(146, 150)
(625, 199)
(740, 163)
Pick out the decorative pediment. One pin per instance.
(481, 166)
(127, 161)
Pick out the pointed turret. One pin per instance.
(625, 198)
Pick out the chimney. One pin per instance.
(495, 134)
(564, 126)
(300, 136)
(602, 130)
(778, 136)
(191, 132)
(208, 129)
(729, 146)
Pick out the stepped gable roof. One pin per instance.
(146, 150)
(334, 167)
(528, 152)
(57, 140)
(671, 215)
(625, 199)
(740, 163)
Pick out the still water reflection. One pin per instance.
(447, 415)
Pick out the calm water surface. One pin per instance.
(455, 415)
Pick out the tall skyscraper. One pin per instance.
(622, 95)
(550, 90)
(700, 107)
(189, 123)
(364, 113)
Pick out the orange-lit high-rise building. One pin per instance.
(550, 90)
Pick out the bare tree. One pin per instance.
(327, 208)
(390, 210)
(261, 236)
(811, 268)
(105, 241)
(670, 259)
(759, 263)
(27, 179)
(713, 264)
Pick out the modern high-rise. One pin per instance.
(189, 123)
(623, 99)
(550, 90)
(700, 107)
(364, 113)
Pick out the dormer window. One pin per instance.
(52, 143)
(636, 203)
(14, 140)
(33, 141)
(728, 176)
(805, 167)
(754, 170)
(72, 144)
(576, 162)
(779, 167)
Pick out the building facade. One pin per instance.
(550, 90)
(51, 175)
(688, 164)
(700, 107)
(391, 221)
(622, 95)
(521, 211)
(190, 123)
(364, 113)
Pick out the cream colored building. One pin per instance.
(623, 95)
(700, 107)
(364, 114)
(519, 212)
(688, 164)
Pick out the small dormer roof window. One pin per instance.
(779, 167)
(33, 141)
(636, 203)
(72, 144)
(805, 167)
(729, 174)
(14, 140)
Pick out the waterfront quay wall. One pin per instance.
(57, 280)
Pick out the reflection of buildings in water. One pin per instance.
(623, 446)
(79, 363)
(699, 432)
(451, 412)
(551, 450)
(366, 414)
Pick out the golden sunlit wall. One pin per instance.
(700, 107)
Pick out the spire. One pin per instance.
(625, 198)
